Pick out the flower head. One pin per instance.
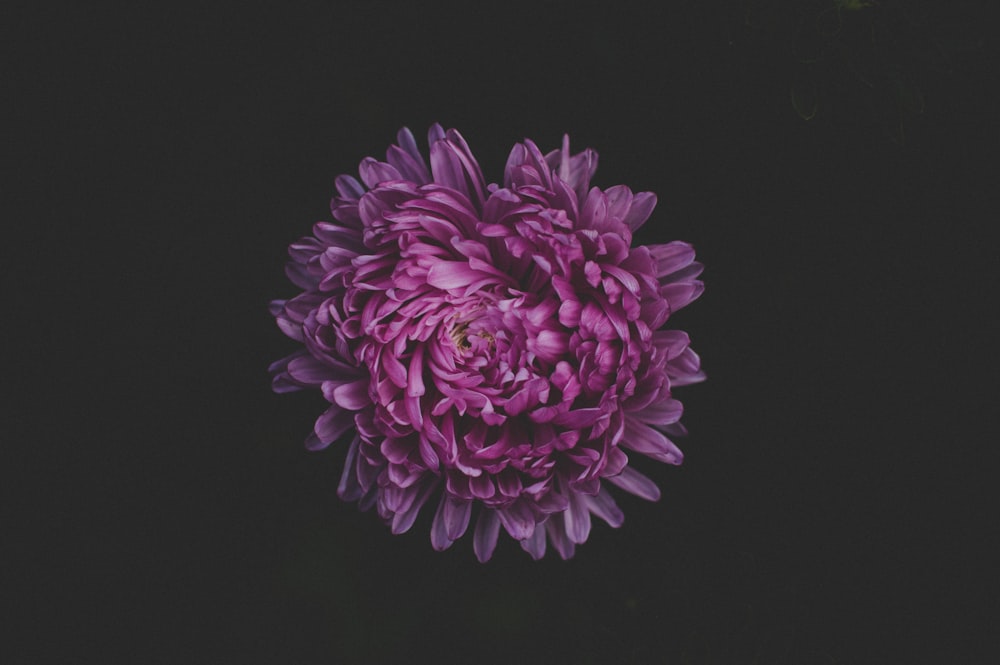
(493, 348)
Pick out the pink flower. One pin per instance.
(497, 348)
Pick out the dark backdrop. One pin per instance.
(824, 158)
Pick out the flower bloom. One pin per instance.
(492, 349)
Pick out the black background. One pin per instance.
(832, 168)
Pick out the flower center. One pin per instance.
(466, 339)
(459, 335)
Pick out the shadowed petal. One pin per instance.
(535, 545)
(635, 483)
(401, 522)
(577, 517)
(439, 534)
(349, 489)
(334, 422)
(556, 530)
(644, 439)
(456, 516)
(484, 540)
(603, 505)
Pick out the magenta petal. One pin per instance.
(450, 275)
(550, 345)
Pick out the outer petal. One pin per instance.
(484, 540)
(635, 483)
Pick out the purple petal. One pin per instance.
(401, 522)
(435, 134)
(353, 395)
(406, 141)
(555, 527)
(671, 257)
(349, 188)
(635, 483)
(415, 381)
(334, 422)
(550, 345)
(662, 412)
(349, 489)
(577, 517)
(680, 295)
(672, 342)
(619, 201)
(535, 545)
(456, 516)
(644, 439)
(642, 207)
(517, 519)
(453, 165)
(603, 505)
(439, 535)
(484, 539)
(374, 172)
(449, 275)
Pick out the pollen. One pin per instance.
(459, 336)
